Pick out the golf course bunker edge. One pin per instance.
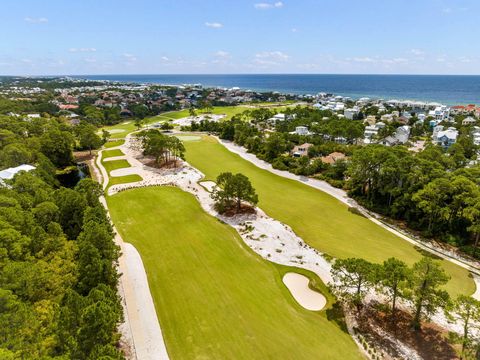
(309, 299)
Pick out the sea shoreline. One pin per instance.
(446, 89)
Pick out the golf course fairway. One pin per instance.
(318, 218)
(215, 298)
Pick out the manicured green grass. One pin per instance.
(115, 180)
(215, 298)
(110, 144)
(115, 164)
(112, 153)
(322, 221)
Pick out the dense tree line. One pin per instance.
(57, 272)
(58, 278)
(430, 190)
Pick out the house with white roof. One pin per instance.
(301, 130)
(351, 113)
(276, 118)
(9, 173)
(401, 136)
(371, 131)
(440, 113)
(469, 121)
(444, 138)
(476, 135)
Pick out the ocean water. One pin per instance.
(446, 89)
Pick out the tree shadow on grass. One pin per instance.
(337, 315)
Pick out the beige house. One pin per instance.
(333, 158)
(301, 150)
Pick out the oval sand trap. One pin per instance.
(188, 137)
(306, 297)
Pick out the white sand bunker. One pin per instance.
(116, 131)
(187, 121)
(209, 185)
(188, 137)
(306, 297)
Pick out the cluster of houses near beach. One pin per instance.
(69, 94)
(405, 114)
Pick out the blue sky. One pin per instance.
(227, 36)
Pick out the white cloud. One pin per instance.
(214, 25)
(271, 58)
(164, 58)
(395, 61)
(26, 61)
(465, 59)
(365, 59)
(222, 54)
(274, 55)
(294, 30)
(264, 6)
(378, 60)
(417, 52)
(130, 57)
(446, 10)
(90, 60)
(82, 50)
(40, 20)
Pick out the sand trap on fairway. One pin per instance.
(306, 297)
(188, 137)
(116, 131)
(209, 185)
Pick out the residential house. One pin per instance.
(371, 131)
(333, 158)
(476, 135)
(387, 118)
(401, 136)
(301, 150)
(444, 138)
(301, 130)
(370, 120)
(469, 121)
(440, 113)
(350, 114)
(277, 117)
(9, 173)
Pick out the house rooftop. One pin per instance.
(9, 173)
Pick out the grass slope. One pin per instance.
(110, 144)
(321, 220)
(115, 180)
(112, 153)
(118, 164)
(115, 164)
(215, 298)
